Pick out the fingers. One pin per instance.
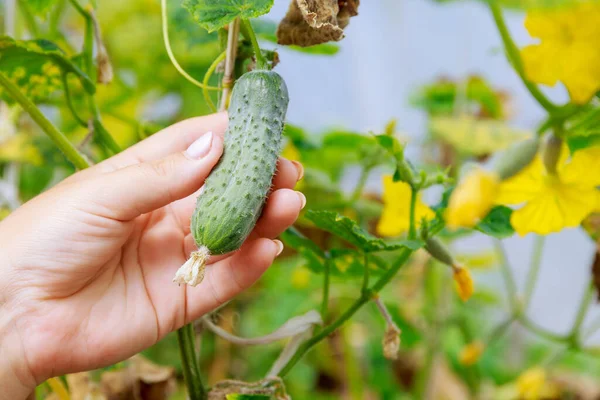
(175, 138)
(228, 277)
(138, 189)
(281, 210)
(288, 173)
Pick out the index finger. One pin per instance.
(173, 139)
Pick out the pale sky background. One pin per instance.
(394, 47)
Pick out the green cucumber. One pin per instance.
(235, 192)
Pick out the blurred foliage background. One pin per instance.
(449, 349)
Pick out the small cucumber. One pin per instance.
(235, 192)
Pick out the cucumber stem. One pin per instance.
(192, 272)
(261, 62)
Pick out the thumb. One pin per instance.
(141, 188)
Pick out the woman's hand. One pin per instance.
(86, 268)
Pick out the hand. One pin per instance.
(86, 268)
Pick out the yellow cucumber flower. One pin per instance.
(464, 283)
(471, 353)
(533, 385)
(569, 48)
(472, 199)
(395, 218)
(551, 202)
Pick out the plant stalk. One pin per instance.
(507, 275)
(189, 361)
(534, 269)
(70, 152)
(586, 302)
(261, 62)
(172, 58)
(360, 186)
(514, 57)
(412, 228)
(365, 284)
(230, 55)
(358, 303)
(325, 300)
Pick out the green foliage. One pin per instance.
(497, 223)
(36, 66)
(348, 230)
(441, 97)
(41, 7)
(584, 131)
(215, 14)
(338, 231)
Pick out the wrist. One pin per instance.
(16, 380)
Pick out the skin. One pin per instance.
(86, 268)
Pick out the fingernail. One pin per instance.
(299, 168)
(200, 147)
(279, 245)
(302, 199)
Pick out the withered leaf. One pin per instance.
(141, 379)
(310, 22)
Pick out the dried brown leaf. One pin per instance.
(391, 342)
(81, 387)
(310, 22)
(141, 379)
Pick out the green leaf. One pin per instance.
(584, 131)
(40, 7)
(348, 230)
(36, 66)
(237, 396)
(314, 256)
(581, 142)
(215, 14)
(497, 223)
(294, 239)
(440, 97)
(392, 145)
(298, 137)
